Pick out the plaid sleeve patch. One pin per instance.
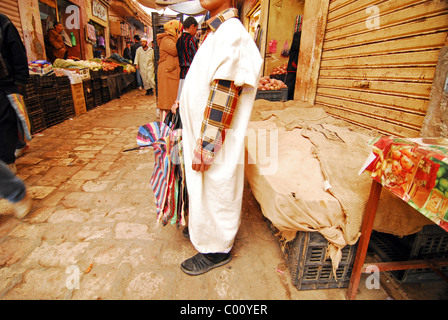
(218, 116)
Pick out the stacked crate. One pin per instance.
(96, 89)
(48, 96)
(105, 95)
(88, 94)
(429, 243)
(32, 103)
(65, 96)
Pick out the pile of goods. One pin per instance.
(93, 65)
(40, 67)
(266, 83)
(129, 68)
(280, 69)
(70, 63)
(109, 66)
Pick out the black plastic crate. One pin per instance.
(37, 122)
(47, 81)
(53, 118)
(96, 74)
(90, 103)
(272, 95)
(307, 262)
(69, 109)
(63, 83)
(51, 105)
(103, 82)
(49, 93)
(105, 95)
(30, 91)
(430, 242)
(33, 105)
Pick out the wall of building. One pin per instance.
(33, 36)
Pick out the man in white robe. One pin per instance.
(215, 108)
(144, 60)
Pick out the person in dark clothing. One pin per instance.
(291, 69)
(187, 46)
(127, 54)
(137, 44)
(14, 76)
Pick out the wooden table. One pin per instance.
(420, 182)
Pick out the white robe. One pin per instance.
(144, 59)
(215, 197)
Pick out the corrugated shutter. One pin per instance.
(381, 77)
(10, 8)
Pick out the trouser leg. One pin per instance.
(8, 130)
(12, 188)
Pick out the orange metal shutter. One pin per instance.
(378, 62)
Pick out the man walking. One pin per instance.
(13, 78)
(144, 60)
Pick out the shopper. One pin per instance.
(13, 189)
(187, 45)
(134, 48)
(127, 54)
(144, 60)
(55, 43)
(168, 68)
(215, 108)
(13, 78)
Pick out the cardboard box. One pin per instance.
(78, 98)
(40, 69)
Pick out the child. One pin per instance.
(218, 95)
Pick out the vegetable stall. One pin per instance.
(69, 87)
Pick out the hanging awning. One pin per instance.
(148, 3)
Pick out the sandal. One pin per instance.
(199, 264)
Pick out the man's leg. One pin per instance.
(8, 130)
(13, 189)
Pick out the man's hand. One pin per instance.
(175, 106)
(198, 164)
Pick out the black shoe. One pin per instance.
(200, 264)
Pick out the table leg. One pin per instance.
(363, 244)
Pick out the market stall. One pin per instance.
(302, 166)
(68, 88)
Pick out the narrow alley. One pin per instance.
(92, 233)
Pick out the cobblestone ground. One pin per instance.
(92, 233)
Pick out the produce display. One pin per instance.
(266, 83)
(70, 63)
(280, 70)
(94, 65)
